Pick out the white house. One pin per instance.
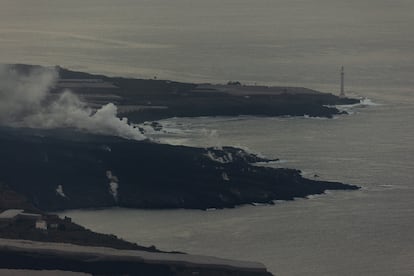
(41, 224)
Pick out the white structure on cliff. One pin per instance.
(41, 224)
(342, 94)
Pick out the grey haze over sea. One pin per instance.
(285, 42)
(280, 42)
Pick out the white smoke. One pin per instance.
(113, 184)
(59, 191)
(26, 101)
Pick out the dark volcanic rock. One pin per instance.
(34, 256)
(150, 100)
(194, 100)
(143, 174)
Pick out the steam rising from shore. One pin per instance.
(26, 101)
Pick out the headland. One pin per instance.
(64, 168)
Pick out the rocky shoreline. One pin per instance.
(32, 240)
(65, 169)
(22, 218)
(150, 99)
(20, 254)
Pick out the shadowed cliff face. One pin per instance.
(61, 169)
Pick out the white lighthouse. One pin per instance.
(342, 94)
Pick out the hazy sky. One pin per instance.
(294, 42)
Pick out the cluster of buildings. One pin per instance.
(38, 221)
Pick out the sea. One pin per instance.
(264, 42)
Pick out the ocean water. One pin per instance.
(280, 42)
(283, 42)
(365, 232)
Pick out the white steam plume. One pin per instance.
(26, 101)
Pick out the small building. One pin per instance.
(41, 224)
(10, 216)
(53, 225)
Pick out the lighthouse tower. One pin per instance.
(342, 94)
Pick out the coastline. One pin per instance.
(151, 99)
(73, 169)
(24, 254)
(61, 245)
(150, 175)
